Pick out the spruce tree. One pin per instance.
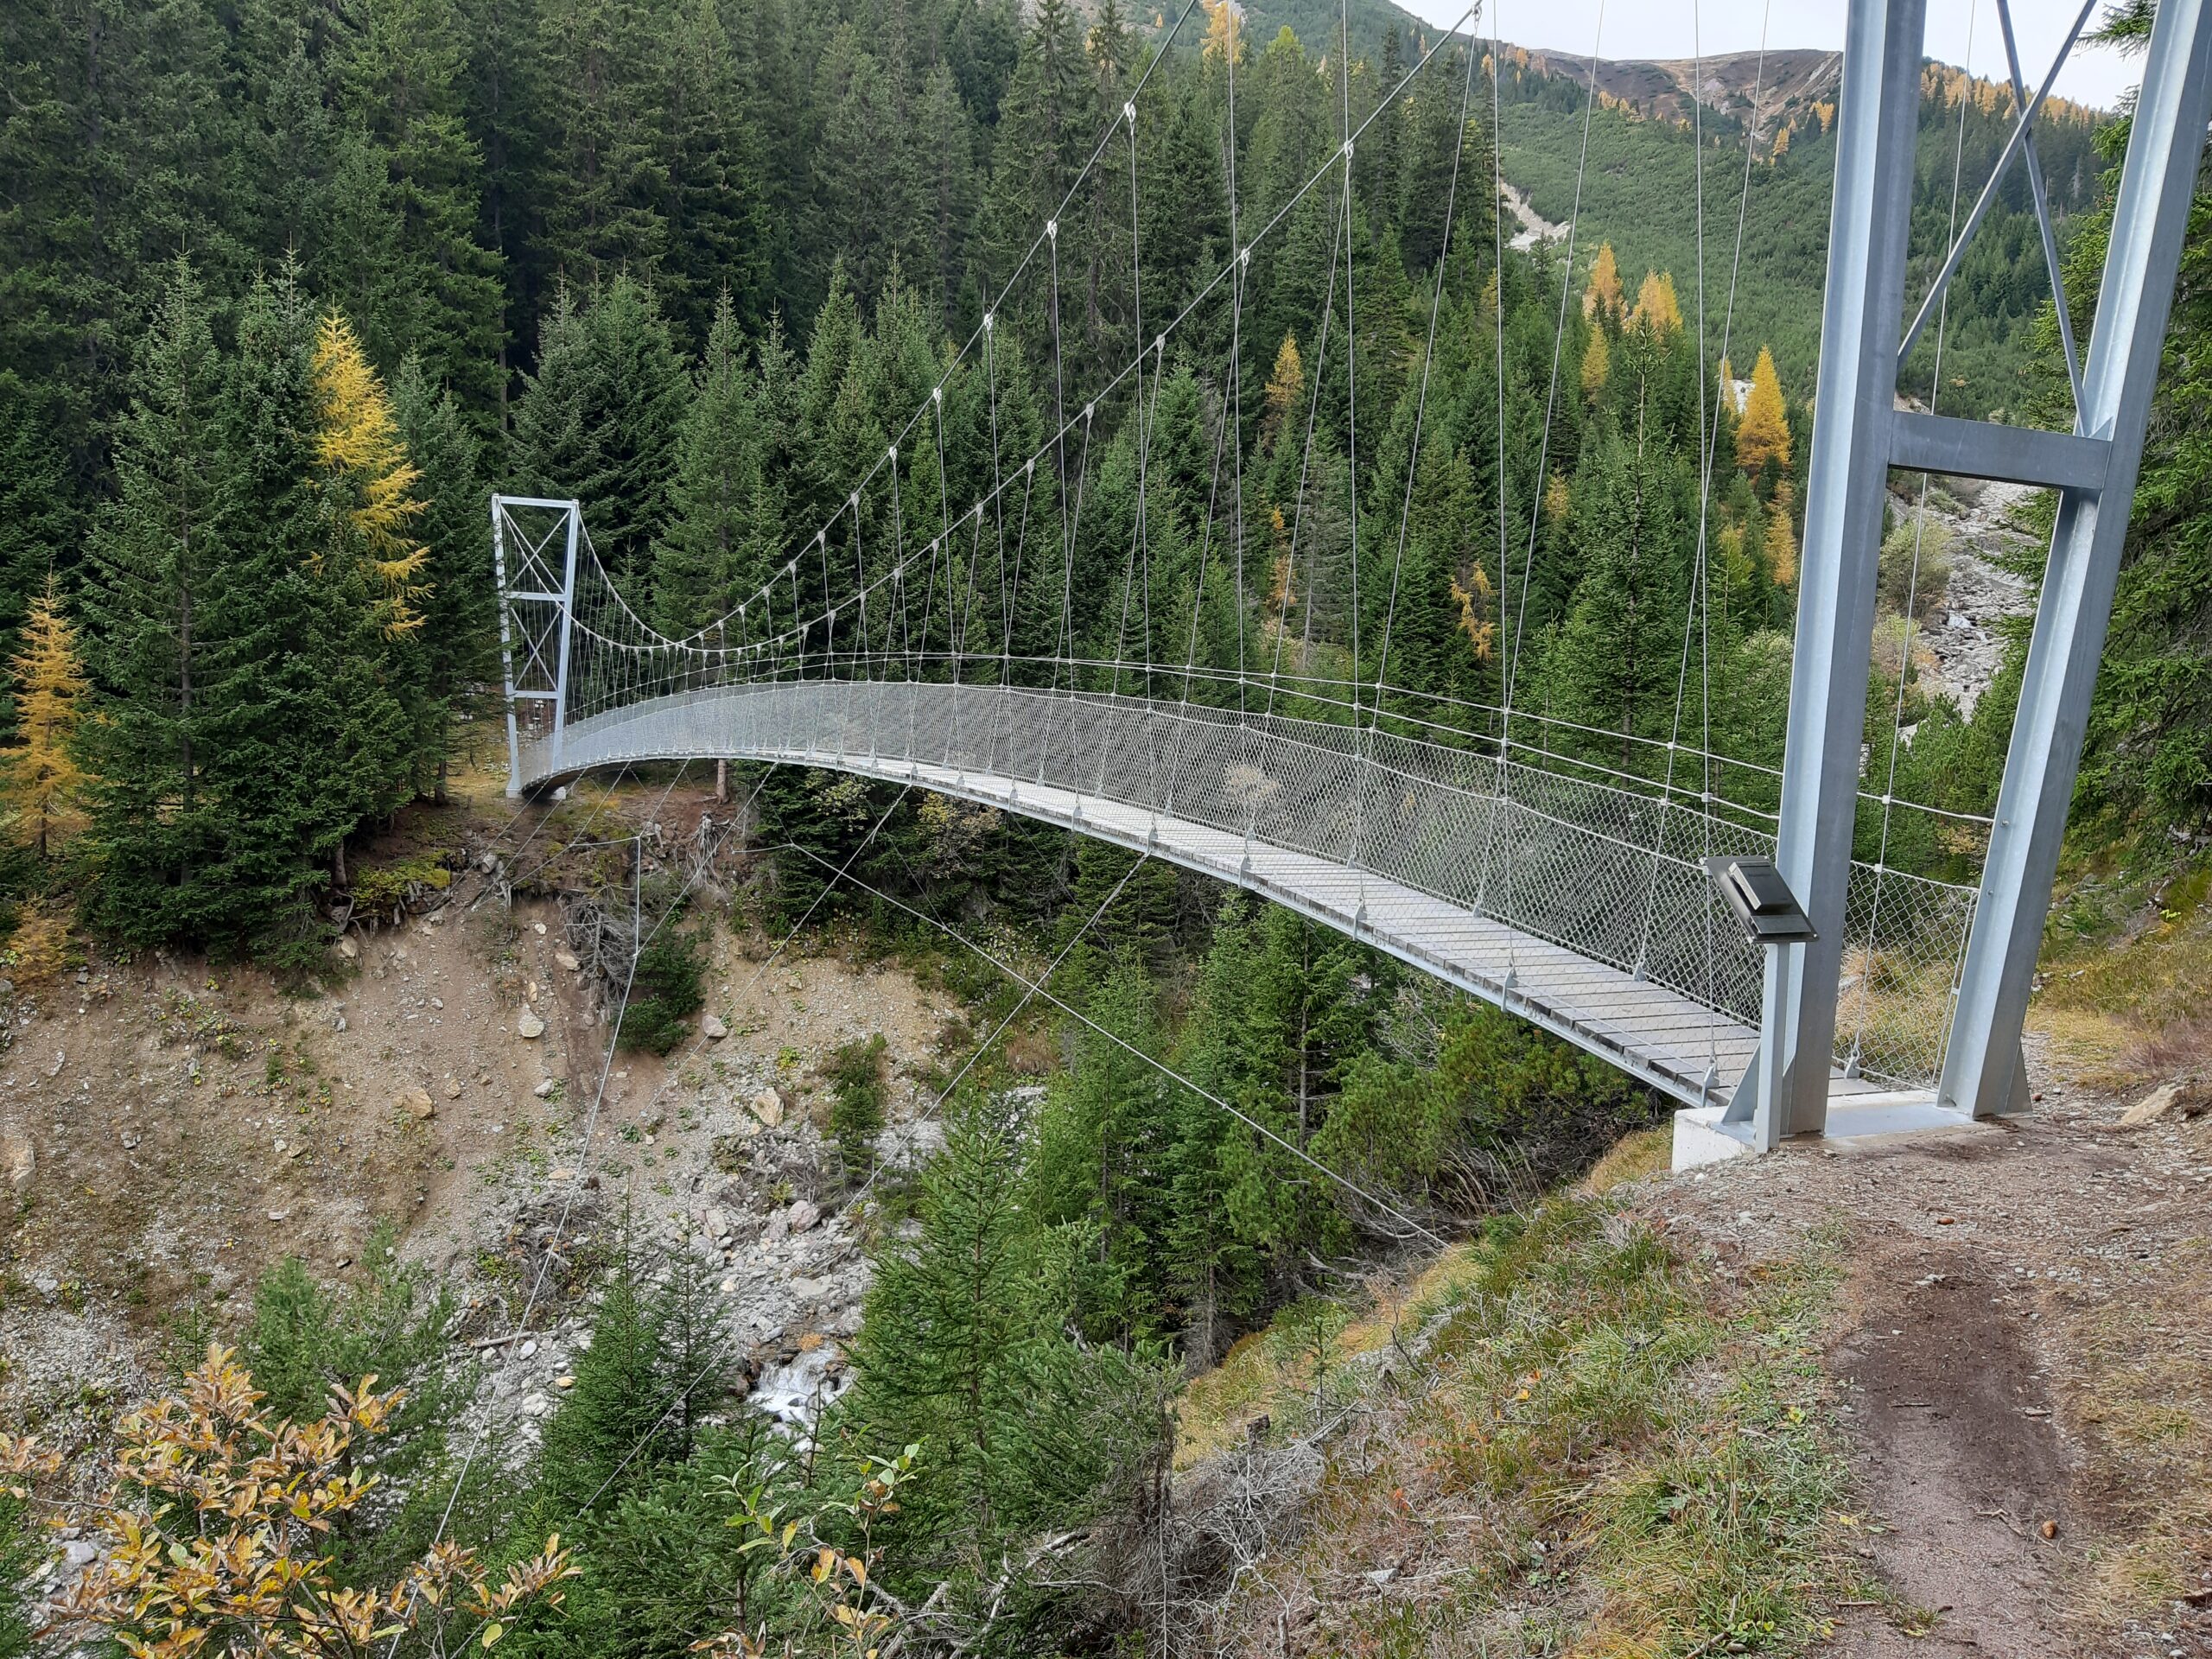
(716, 208)
(599, 421)
(1616, 661)
(604, 191)
(156, 833)
(1100, 1156)
(720, 537)
(459, 633)
(439, 292)
(310, 722)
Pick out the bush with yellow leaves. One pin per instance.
(214, 1529)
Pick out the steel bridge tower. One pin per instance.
(1859, 434)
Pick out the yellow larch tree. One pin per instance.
(40, 775)
(1284, 386)
(1762, 433)
(1601, 300)
(1657, 311)
(1781, 536)
(1472, 593)
(1225, 32)
(359, 441)
(1597, 360)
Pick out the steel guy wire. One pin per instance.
(1543, 449)
(1183, 315)
(1912, 587)
(1168, 1072)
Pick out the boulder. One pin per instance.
(712, 1029)
(2187, 1098)
(2153, 1107)
(544, 1090)
(802, 1216)
(453, 1089)
(568, 960)
(416, 1104)
(529, 1025)
(21, 1162)
(349, 949)
(768, 1107)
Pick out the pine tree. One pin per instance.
(1762, 433)
(41, 779)
(460, 630)
(435, 289)
(719, 541)
(154, 830)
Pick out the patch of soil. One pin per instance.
(1958, 1454)
(168, 1130)
(2021, 1338)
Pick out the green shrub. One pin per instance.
(667, 989)
(857, 1097)
(19, 1556)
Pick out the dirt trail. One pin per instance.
(2024, 1366)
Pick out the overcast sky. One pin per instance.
(1664, 29)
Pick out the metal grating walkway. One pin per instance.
(1290, 811)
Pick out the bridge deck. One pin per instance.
(1684, 1049)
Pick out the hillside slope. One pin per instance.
(1643, 183)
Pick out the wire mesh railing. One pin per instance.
(1606, 870)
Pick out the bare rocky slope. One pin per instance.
(2014, 1356)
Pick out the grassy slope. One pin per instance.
(1594, 1445)
(1639, 191)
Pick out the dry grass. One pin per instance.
(1269, 1374)
(2122, 997)
(1594, 1450)
(1633, 1158)
(2142, 1405)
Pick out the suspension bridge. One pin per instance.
(1559, 872)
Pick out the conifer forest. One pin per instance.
(289, 287)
